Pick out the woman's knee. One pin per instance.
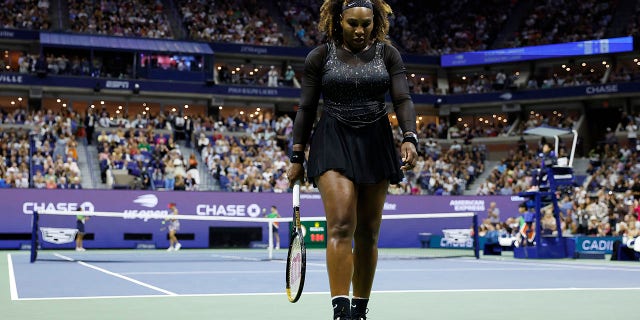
(341, 229)
(366, 235)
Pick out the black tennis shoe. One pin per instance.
(356, 315)
(342, 314)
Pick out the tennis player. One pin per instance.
(352, 154)
(173, 227)
(80, 220)
(275, 225)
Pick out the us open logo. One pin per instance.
(147, 200)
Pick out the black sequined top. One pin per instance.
(353, 87)
(355, 94)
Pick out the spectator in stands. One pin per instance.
(203, 142)
(75, 183)
(272, 76)
(169, 175)
(357, 32)
(289, 76)
(90, 122)
(493, 212)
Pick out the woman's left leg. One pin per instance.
(365, 252)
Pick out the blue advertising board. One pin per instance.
(570, 49)
(595, 244)
(18, 207)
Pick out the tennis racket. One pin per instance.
(297, 256)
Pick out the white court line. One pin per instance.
(146, 285)
(12, 279)
(326, 293)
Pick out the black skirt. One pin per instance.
(364, 155)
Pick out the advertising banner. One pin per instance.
(595, 244)
(18, 206)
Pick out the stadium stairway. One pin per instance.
(58, 10)
(472, 190)
(204, 179)
(518, 15)
(88, 164)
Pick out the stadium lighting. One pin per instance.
(58, 100)
(20, 99)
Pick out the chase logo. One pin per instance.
(147, 200)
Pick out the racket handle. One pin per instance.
(296, 194)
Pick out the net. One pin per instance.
(402, 236)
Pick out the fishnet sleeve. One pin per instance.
(402, 103)
(310, 96)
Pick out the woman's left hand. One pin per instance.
(409, 155)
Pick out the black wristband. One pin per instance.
(412, 140)
(297, 157)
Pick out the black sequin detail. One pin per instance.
(354, 94)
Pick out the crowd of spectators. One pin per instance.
(236, 21)
(154, 159)
(25, 14)
(129, 18)
(443, 27)
(302, 16)
(43, 154)
(559, 21)
(514, 172)
(271, 76)
(14, 158)
(633, 28)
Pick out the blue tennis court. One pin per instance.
(220, 284)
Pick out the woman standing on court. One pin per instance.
(80, 221)
(173, 227)
(352, 153)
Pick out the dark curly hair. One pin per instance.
(330, 13)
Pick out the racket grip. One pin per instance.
(296, 194)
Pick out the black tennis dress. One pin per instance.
(353, 135)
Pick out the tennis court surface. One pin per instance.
(220, 284)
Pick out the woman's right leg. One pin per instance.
(339, 196)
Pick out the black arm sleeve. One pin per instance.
(402, 103)
(310, 96)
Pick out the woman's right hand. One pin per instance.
(295, 173)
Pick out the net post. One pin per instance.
(476, 237)
(270, 245)
(34, 236)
